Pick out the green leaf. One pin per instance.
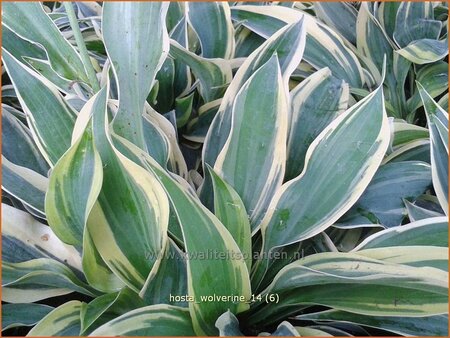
(30, 22)
(141, 30)
(26, 185)
(49, 117)
(340, 16)
(107, 307)
(18, 145)
(211, 21)
(414, 22)
(130, 195)
(315, 102)
(253, 158)
(230, 210)
(170, 280)
(324, 48)
(208, 261)
(44, 68)
(425, 51)
(24, 239)
(19, 47)
(24, 314)
(62, 321)
(430, 231)
(154, 320)
(382, 201)
(288, 44)
(228, 325)
(405, 326)
(437, 120)
(214, 74)
(371, 286)
(95, 269)
(373, 43)
(417, 213)
(434, 78)
(75, 183)
(305, 206)
(38, 279)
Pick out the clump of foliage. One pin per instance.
(213, 168)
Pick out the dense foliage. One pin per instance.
(220, 168)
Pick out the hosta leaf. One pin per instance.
(418, 256)
(344, 156)
(205, 269)
(75, 183)
(128, 224)
(26, 185)
(315, 102)
(382, 201)
(23, 314)
(228, 325)
(44, 68)
(204, 278)
(430, 231)
(288, 43)
(170, 279)
(340, 16)
(49, 117)
(24, 238)
(38, 279)
(425, 51)
(405, 326)
(154, 320)
(182, 78)
(253, 158)
(214, 74)
(230, 210)
(211, 22)
(324, 48)
(372, 42)
(405, 133)
(107, 307)
(95, 269)
(414, 21)
(438, 125)
(312, 332)
(156, 141)
(417, 212)
(176, 163)
(30, 22)
(434, 78)
(141, 30)
(371, 287)
(19, 47)
(62, 321)
(18, 145)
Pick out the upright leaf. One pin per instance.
(212, 23)
(253, 158)
(345, 156)
(324, 47)
(137, 48)
(49, 117)
(438, 125)
(29, 21)
(288, 43)
(315, 102)
(75, 183)
(128, 225)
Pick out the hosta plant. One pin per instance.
(224, 168)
